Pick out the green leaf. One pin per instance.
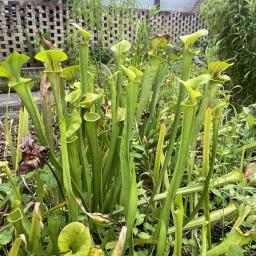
(132, 72)
(86, 35)
(120, 114)
(237, 237)
(96, 252)
(100, 219)
(73, 96)
(89, 99)
(73, 123)
(52, 59)
(91, 116)
(121, 47)
(75, 239)
(138, 72)
(131, 75)
(11, 67)
(35, 231)
(217, 67)
(234, 250)
(196, 82)
(144, 235)
(16, 246)
(158, 42)
(5, 237)
(69, 73)
(190, 40)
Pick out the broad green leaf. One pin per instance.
(69, 73)
(194, 94)
(5, 237)
(75, 85)
(35, 231)
(138, 72)
(131, 75)
(189, 40)
(86, 35)
(132, 72)
(120, 114)
(91, 116)
(159, 42)
(73, 96)
(11, 67)
(217, 67)
(121, 47)
(196, 82)
(144, 235)
(75, 239)
(73, 123)
(234, 250)
(52, 59)
(89, 99)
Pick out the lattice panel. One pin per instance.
(19, 23)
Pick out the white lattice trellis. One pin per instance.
(19, 23)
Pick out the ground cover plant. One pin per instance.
(131, 170)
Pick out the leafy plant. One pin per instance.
(124, 155)
(232, 27)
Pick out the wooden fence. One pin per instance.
(19, 23)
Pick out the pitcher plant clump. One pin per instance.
(135, 166)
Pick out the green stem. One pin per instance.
(8, 136)
(23, 90)
(204, 239)
(178, 221)
(206, 156)
(73, 209)
(91, 120)
(55, 81)
(85, 171)
(227, 213)
(84, 59)
(47, 110)
(22, 132)
(74, 163)
(186, 67)
(210, 91)
(232, 177)
(107, 174)
(159, 150)
(216, 122)
(129, 189)
(159, 79)
(177, 175)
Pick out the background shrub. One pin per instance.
(233, 26)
